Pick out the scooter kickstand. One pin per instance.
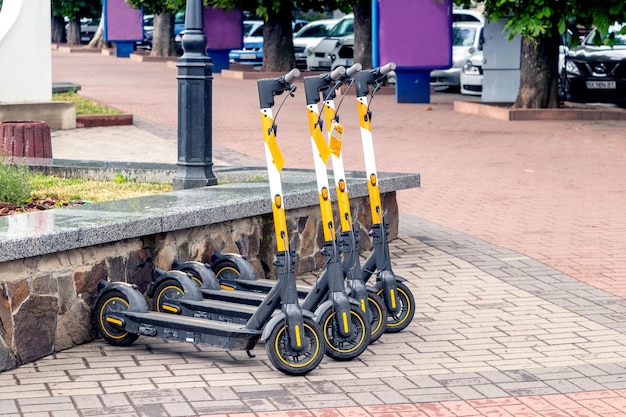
(250, 354)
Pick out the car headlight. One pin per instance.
(470, 69)
(572, 68)
(178, 38)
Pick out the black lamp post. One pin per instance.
(195, 128)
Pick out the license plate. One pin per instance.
(324, 63)
(247, 56)
(601, 85)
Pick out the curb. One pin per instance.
(502, 111)
(103, 120)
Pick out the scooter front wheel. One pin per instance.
(296, 363)
(108, 327)
(400, 320)
(345, 348)
(378, 324)
(169, 289)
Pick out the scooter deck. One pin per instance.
(189, 329)
(260, 286)
(234, 296)
(222, 311)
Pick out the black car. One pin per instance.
(594, 72)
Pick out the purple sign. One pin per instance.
(223, 28)
(122, 23)
(415, 33)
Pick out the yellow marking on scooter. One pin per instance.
(169, 308)
(281, 224)
(277, 156)
(227, 287)
(392, 293)
(115, 321)
(317, 136)
(296, 328)
(363, 306)
(292, 364)
(346, 328)
(364, 118)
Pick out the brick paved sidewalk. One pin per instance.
(495, 334)
(514, 247)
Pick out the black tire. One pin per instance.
(226, 270)
(399, 321)
(168, 289)
(345, 348)
(296, 363)
(378, 324)
(109, 302)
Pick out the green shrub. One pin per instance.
(14, 185)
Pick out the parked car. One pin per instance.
(595, 72)
(338, 42)
(252, 51)
(472, 75)
(466, 39)
(88, 28)
(464, 15)
(309, 36)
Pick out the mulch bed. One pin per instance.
(7, 209)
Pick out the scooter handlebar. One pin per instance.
(337, 73)
(353, 70)
(270, 87)
(291, 76)
(386, 69)
(373, 76)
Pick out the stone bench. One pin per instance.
(51, 261)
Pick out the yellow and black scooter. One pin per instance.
(397, 296)
(294, 340)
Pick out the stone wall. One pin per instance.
(45, 301)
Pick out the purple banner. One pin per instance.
(415, 33)
(122, 22)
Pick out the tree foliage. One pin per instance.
(541, 23)
(75, 10)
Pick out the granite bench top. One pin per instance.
(37, 233)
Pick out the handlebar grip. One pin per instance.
(352, 71)
(385, 69)
(337, 73)
(291, 75)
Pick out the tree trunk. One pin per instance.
(278, 52)
(57, 26)
(539, 73)
(73, 32)
(98, 38)
(363, 33)
(163, 35)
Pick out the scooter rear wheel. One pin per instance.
(169, 289)
(378, 324)
(226, 270)
(400, 320)
(296, 363)
(112, 302)
(345, 348)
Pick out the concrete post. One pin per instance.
(195, 77)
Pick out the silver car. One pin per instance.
(321, 57)
(466, 39)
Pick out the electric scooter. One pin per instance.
(371, 304)
(350, 231)
(294, 341)
(398, 297)
(345, 326)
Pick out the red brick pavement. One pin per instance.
(552, 190)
